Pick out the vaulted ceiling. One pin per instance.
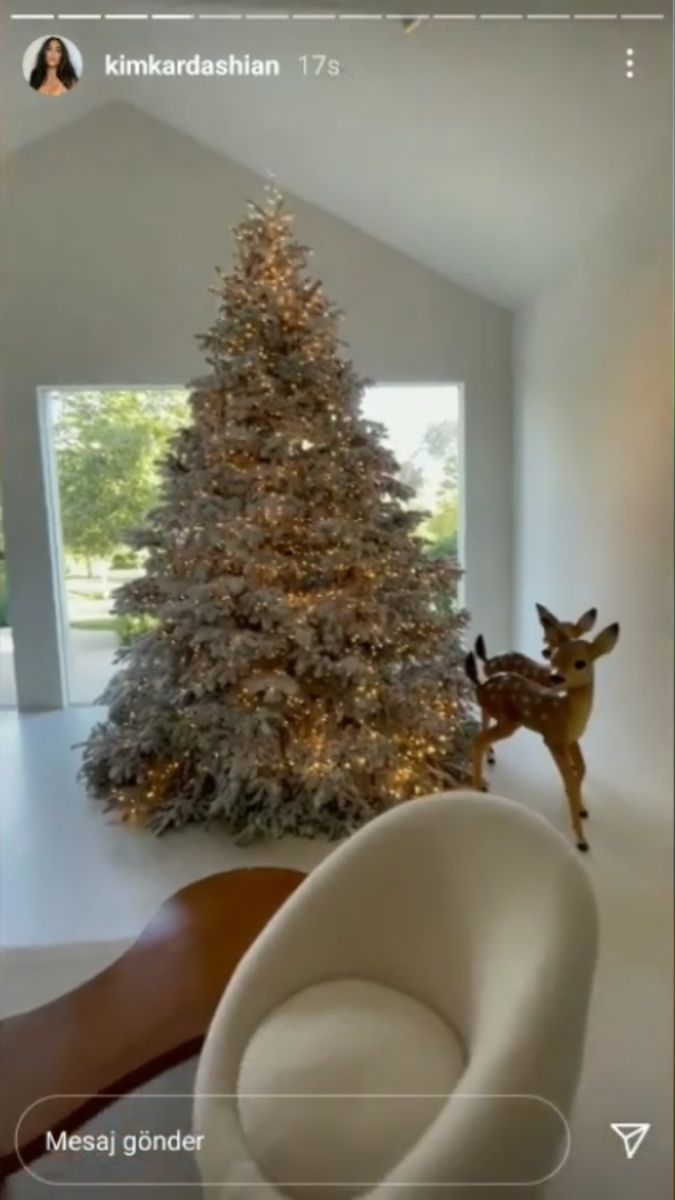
(485, 149)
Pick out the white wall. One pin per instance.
(112, 228)
(594, 477)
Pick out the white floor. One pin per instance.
(76, 888)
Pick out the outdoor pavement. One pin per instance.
(90, 663)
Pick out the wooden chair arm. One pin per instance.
(147, 1011)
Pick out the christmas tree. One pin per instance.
(301, 669)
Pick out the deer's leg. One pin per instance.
(579, 768)
(563, 761)
(490, 755)
(493, 733)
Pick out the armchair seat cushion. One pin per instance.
(371, 1068)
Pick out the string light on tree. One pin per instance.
(302, 671)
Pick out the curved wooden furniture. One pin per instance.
(147, 1011)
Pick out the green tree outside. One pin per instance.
(440, 530)
(107, 447)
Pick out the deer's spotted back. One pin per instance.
(519, 664)
(523, 702)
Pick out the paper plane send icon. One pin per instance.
(632, 1137)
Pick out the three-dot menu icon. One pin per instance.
(630, 64)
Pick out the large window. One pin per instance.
(423, 431)
(107, 444)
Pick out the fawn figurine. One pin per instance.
(555, 633)
(560, 717)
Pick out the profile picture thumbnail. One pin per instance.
(52, 66)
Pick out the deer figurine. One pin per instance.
(555, 633)
(560, 717)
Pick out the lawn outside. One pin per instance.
(89, 598)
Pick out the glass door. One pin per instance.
(107, 444)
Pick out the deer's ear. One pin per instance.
(587, 621)
(546, 618)
(544, 613)
(554, 634)
(605, 641)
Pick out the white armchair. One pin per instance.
(414, 1016)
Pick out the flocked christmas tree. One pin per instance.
(301, 671)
